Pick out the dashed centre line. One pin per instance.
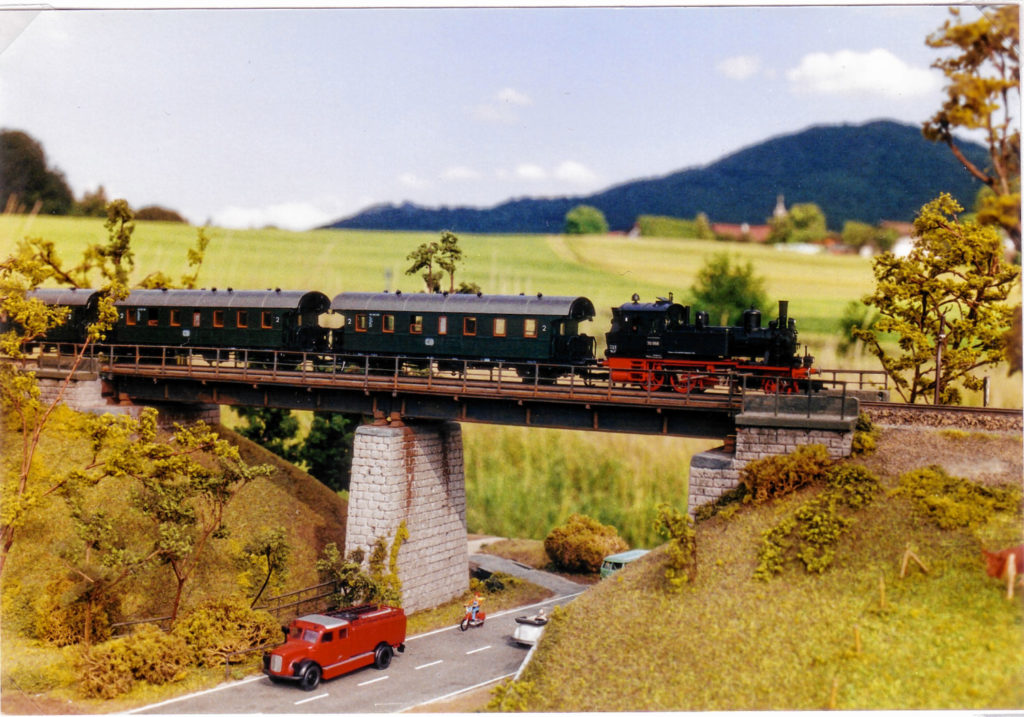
(310, 699)
(479, 649)
(370, 682)
(430, 664)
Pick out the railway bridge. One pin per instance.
(408, 465)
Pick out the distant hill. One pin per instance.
(869, 172)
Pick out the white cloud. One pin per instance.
(511, 96)
(500, 107)
(532, 172)
(575, 173)
(408, 179)
(875, 72)
(298, 216)
(460, 174)
(740, 67)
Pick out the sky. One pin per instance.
(295, 118)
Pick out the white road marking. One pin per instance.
(310, 699)
(196, 694)
(459, 692)
(370, 682)
(479, 649)
(430, 664)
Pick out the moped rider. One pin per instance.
(474, 605)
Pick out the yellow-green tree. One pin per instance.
(983, 93)
(946, 303)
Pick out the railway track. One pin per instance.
(930, 416)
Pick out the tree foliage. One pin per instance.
(445, 254)
(27, 180)
(585, 219)
(951, 292)
(276, 429)
(725, 290)
(983, 93)
(802, 223)
(327, 450)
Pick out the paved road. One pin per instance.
(434, 666)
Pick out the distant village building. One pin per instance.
(780, 208)
(758, 233)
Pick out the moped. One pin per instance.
(468, 621)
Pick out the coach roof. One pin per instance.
(63, 297)
(229, 298)
(579, 308)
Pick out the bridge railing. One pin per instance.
(404, 373)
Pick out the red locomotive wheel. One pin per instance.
(681, 383)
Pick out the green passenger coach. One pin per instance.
(473, 327)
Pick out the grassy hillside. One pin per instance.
(311, 514)
(947, 639)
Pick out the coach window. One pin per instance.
(130, 317)
(469, 326)
(242, 320)
(362, 322)
(154, 317)
(266, 320)
(196, 318)
(415, 324)
(175, 317)
(530, 328)
(442, 325)
(218, 318)
(499, 327)
(389, 324)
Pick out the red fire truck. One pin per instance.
(324, 646)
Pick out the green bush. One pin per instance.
(682, 546)
(952, 502)
(149, 655)
(811, 533)
(775, 476)
(865, 436)
(60, 619)
(581, 544)
(219, 628)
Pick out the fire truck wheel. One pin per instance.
(311, 677)
(382, 657)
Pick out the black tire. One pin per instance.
(382, 657)
(464, 625)
(311, 678)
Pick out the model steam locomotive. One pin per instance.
(652, 345)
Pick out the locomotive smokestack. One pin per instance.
(783, 314)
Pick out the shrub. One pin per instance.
(952, 502)
(60, 617)
(148, 655)
(865, 436)
(776, 476)
(218, 628)
(581, 544)
(811, 533)
(682, 546)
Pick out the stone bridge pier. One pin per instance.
(771, 426)
(413, 473)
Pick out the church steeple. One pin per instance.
(780, 207)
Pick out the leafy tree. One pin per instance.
(353, 584)
(327, 450)
(276, 429)
(585, 219)
(859, 234)
(93, 204)
(26, 180)
(725, 290)
(855, 316)
(949, 293)
(446, 254)
(803, 223)
(983, 93)
(265, 558)
(155, 213)
(36, 261)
